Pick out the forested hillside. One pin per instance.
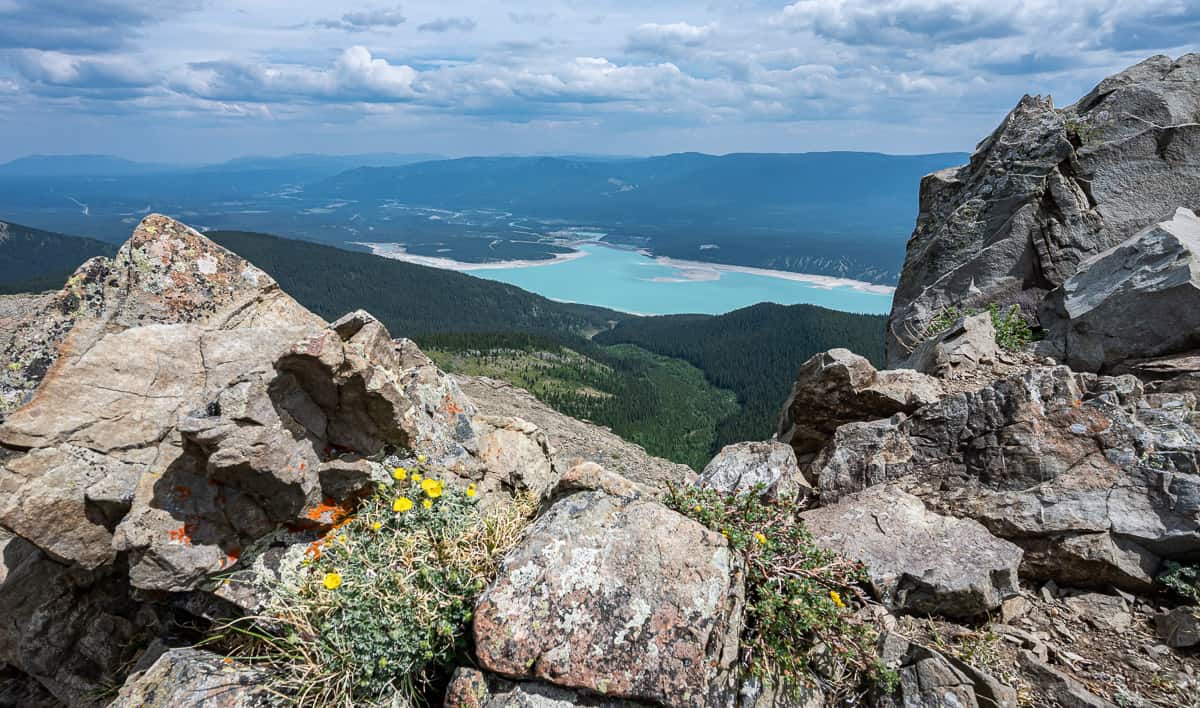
(663, 404)
(33, 260)
(753, 352)
(411, 300)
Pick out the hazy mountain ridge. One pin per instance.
(31, 259)
(802, 212)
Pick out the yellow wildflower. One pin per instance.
(471, 490)
(402, 504)
(431, 487)
(427, 503)
(762, 540)
(699, 508)
(837, 598)
(416, 477)
(342, 539)
(421, 458)
(376, 526)
(332, 581)
(399, 474)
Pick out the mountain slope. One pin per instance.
(410, 299)
(34, 260)
(753, 352)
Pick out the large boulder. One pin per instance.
(617, 596)
(1047, 190)
(1138, 300)
(1095, 479)
(919, 561)
(743, 467)
(838, 387)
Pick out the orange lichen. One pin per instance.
(182, 535)
(452, 408)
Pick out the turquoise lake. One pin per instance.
(631, 282)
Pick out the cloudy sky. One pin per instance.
(201, 80)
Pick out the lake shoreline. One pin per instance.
(688, 270)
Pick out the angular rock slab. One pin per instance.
(919, 561)
(930, 678)
(191, 677)
(839, 387)
(1048, 189)
(617, 596)
(969, 344)
(742, 467)
(1138, 300)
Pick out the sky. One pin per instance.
(206, 80)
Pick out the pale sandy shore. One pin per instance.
(686, 270)
(703, 270)
(397, 252)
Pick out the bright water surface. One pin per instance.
(624, 280)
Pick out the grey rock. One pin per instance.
(71, 630)
(1101, 610)
(930, 678)
(966, 346)
(839, 387)
(742, 467)
(191, 677)
(617, 596)
(1062, 688)
(1047, 190)
(917, 560)
(1180, 627)
(1138, 300)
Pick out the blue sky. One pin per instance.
(203, 80)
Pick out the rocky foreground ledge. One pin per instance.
(995, 522)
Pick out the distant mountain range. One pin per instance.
(835, 213)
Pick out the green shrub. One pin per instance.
(1181, 580)
(1012, 328)
(799, 598)
(384, 599)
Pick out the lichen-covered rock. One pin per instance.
(839, 387)
(191, 677)
(617, 596)
(470, 688)
(1138, 300)
(516, 456)
(742, 467)
(918, 561)
(966, 346)
(1046, 191)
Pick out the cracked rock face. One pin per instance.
(742, 467)
(1049, 189)
(1094, 478)
(614, 595)
(190, 419)
(919, 561)
(838, 387)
